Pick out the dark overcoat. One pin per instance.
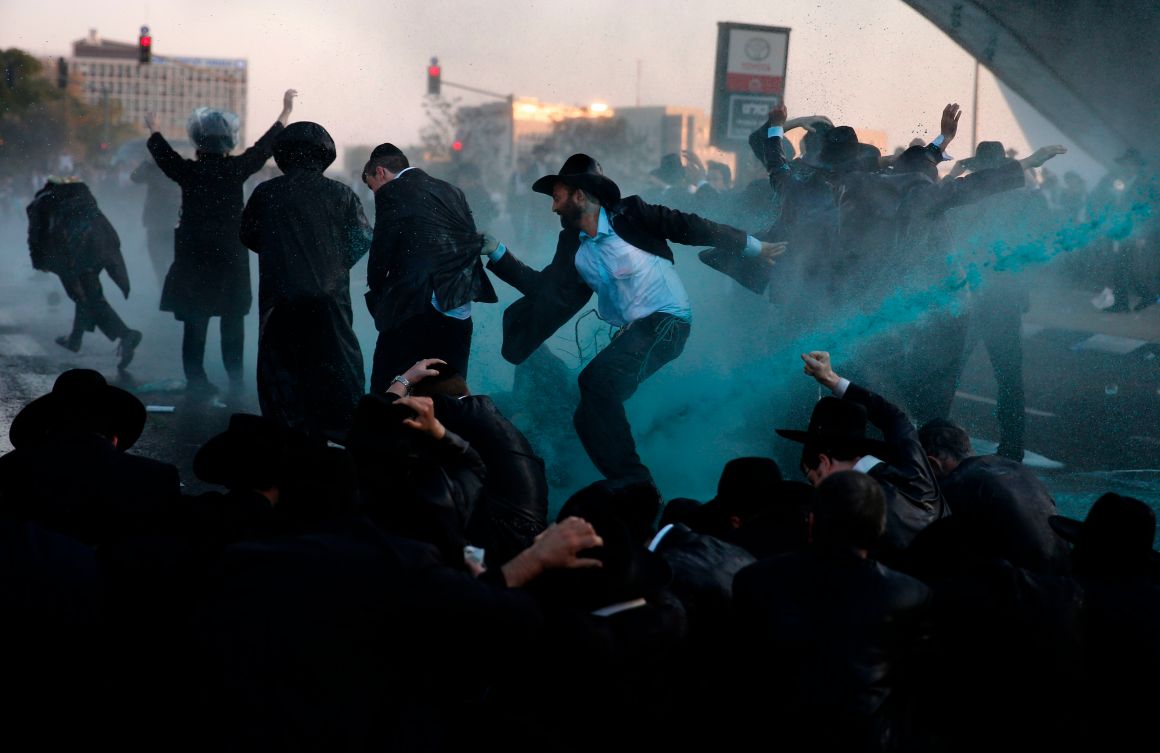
(308, 231)
(210, 275)
(70, 236)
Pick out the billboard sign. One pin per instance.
(750, 79)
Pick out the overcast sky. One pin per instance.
(360, 66)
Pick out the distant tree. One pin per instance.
(38, 120)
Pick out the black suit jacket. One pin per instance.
(837, 633)
(554, 294)
(82, 486)
(913, 497)
(1006, 505)
(425, 242)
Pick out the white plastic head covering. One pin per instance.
(212, 130)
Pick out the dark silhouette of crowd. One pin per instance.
(400, 586)
(384, 571)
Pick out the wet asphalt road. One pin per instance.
(1092, 381)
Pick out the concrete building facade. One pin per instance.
(170, 85)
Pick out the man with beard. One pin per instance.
(308, 231)
(618, 249)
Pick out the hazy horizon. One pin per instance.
(874, 65)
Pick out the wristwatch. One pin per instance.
(403, 381)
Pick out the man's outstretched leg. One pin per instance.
(610, 379)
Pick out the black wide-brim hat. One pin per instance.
(742, 480)
(629, 570)
(80, 398)
(839, 153)
(251, 453)
(582, 171)
(671, 171)
(988, 154)
(1125, 524)
(838, 424)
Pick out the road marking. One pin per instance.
(20, 345)
(993, 401)
(1102, 343)
(1030, 459)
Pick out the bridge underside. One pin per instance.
(1090, 67)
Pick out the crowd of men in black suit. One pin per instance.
(380, 571)
(400, 586)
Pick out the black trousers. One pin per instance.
(92, 310)
(233, 334)
(427, 335)
(944, 345)
(997, 320)
(635, 353)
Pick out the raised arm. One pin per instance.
(169, 161)
(504, 265)
(251, 160)
(287, 105)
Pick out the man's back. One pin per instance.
(308, 231)
(1006, 501)
(829, 631)
(425, 242)
(81, 485)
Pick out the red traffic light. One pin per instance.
(146, 41)
(457, 146)
(433, 70)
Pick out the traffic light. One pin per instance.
(61, 73)
(144, 46)
(433, 77)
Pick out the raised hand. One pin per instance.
(818, 366)
(770, 251)
(777, 115)
(421, 370)
(490, 245)
(950, 122)
(425, 420)
(1041, 155)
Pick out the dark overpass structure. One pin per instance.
(1091, 67)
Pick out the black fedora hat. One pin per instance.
(746, 484)
(988, 154)
(838, 424)
(629, 570)
(253, 452)
(1117, 527)
(671, 171)
(581, 171)
(80, 399)
(839, 153)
